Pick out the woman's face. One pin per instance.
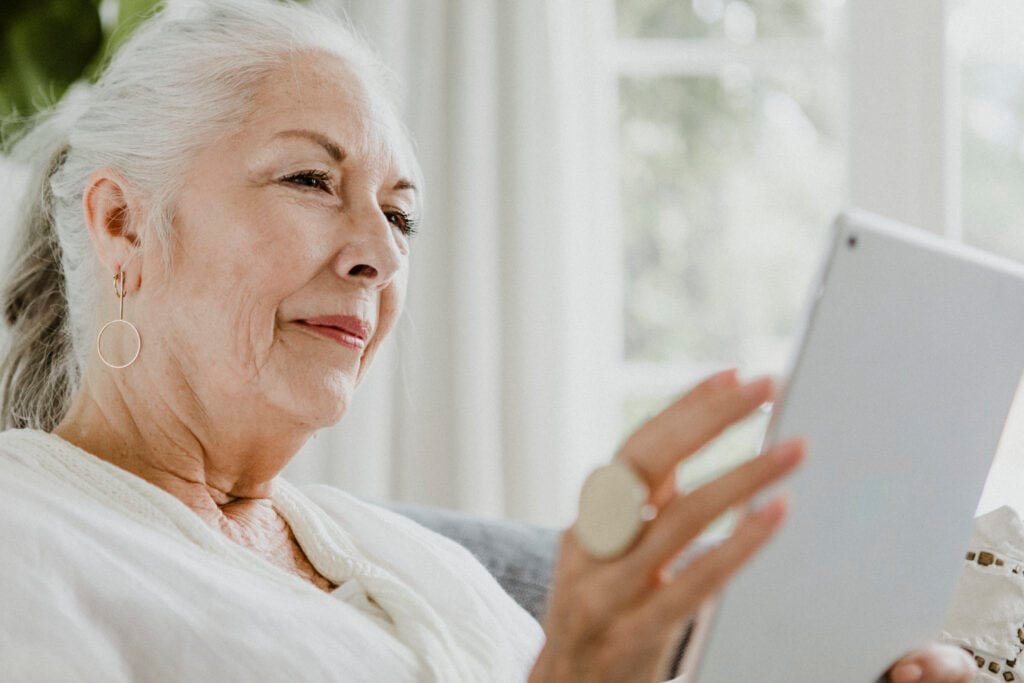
(299, 216)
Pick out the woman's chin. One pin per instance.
(327, 403)
(317, 414)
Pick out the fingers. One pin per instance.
(692, 421)
(934, 663)
(706, 575)
(686, 516)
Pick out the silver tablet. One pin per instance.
(911, 355)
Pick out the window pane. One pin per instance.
(739, 21)
(987, 38)
(729, 186)
(993, 157)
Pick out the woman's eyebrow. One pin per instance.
(404, 184)
(332, 148)
(336, 153)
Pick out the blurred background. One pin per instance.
(622, 197)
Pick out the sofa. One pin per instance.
(520, 556)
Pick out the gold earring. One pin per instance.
(119, 290)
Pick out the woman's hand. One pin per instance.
(618, 619)
(934, 664)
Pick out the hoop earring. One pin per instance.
(119, 290)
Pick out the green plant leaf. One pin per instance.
(46, 47)
(130, 14)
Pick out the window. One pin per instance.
(732, 160)
(986, 41)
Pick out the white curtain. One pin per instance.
(494, 395)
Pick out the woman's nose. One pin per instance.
(371, 252)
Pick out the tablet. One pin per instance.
(911, 354)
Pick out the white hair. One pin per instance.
(185, 76)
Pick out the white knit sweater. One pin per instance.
(105, 576)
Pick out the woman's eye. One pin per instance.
(402, 221)
(318, 180)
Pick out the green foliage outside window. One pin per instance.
(49, 44)
(729, 186)
(744, 19)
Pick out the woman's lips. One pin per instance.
(343, 338)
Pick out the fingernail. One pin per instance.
(908, 673)
(760, 386)
(788, 453)
(723, 379)
(772, 512)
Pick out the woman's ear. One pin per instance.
(112, 215)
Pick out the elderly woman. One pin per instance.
(215, 244)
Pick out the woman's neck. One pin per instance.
(225, 475)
